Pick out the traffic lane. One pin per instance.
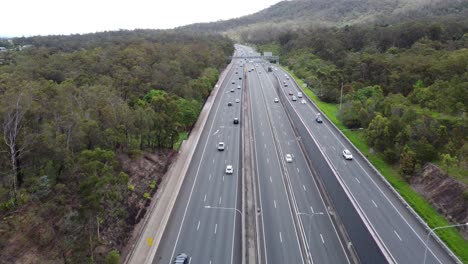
(387, 198)
(396, 235)
(305, 190)
(219, 189)
(355, 174)
(220, 159)
(216, 244)
(281, 242)
(172, 231)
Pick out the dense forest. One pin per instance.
(69, 105)
(406, 84)
(294, 14)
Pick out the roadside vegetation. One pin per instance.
(404, 97)
(70, 106)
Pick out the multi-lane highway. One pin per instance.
(293, 209)
(401, 233)
(296, 219)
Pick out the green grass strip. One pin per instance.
(450, 236)
(182, 136)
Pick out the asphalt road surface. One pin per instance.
(210, 235)
(401, 233)
(287, 189)
(296, 224)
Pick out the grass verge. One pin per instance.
(450, 236)
(182, 136)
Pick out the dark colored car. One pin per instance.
(229, 104)
(319, 119)
(236, 120)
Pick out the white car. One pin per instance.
(294, 98)
(288, 158)
(221, 146)
(238, 86)
(181, 259)
(303, 101)
(276, 100)
(232, 90)
(229, 169)
(237, 100)
(347, 154)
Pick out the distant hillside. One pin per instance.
(300, 13)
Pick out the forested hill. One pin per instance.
(71, 107)
(304, 13)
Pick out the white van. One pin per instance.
(299, 94)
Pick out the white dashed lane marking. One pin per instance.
(397, 235)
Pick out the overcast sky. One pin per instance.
(46, 17)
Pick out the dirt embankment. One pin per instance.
(39, 231)
(445, 193)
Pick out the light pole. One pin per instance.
(432, 231)
(310, 225)
(243, 229)
(341, 95)
(223, 208)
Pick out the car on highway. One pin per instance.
(294, 98)
(233, 82)
(238, 86)
(318, 118)
(276, 100)
(236, 120)
(236, 72)
(299, 94)
(288, 158)
(303, 101)
(237, 100)
(347, 154)
(259, 71)
(229, 104)
(285, 85)
(240, 78)
(221, 146)
(232, 90)
(229, 169)
(182, 258)
(291, 93)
